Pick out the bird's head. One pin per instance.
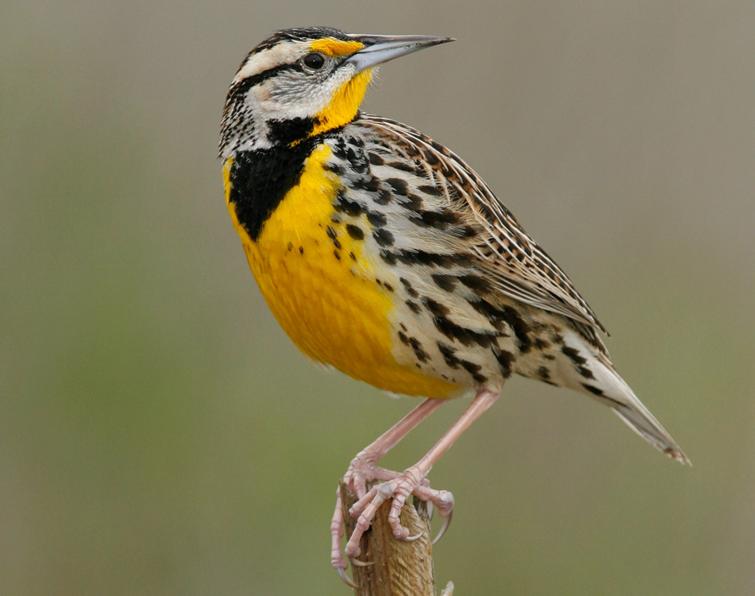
(302, 82)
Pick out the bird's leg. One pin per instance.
(412, 480)
(363, 469)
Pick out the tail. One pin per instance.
(593, 374)
(637, 417)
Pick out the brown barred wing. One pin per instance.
(517, 266)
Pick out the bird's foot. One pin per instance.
(398, 488)
(361, 471)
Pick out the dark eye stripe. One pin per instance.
(254, 80)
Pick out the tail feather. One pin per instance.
(640, 420)
(607, 386)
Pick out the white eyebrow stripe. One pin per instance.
(283, 53)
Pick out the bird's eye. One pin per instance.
(314, 61)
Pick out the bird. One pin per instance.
(383, 254)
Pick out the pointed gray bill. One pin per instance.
(382, 48)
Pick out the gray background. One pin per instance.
(160, 435)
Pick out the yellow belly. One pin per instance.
(322, 289)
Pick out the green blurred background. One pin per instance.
(159, 435)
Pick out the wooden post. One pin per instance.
(398, 568)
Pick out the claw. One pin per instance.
(345, 578)
(358, 563)
(412, 538)
(444, 528)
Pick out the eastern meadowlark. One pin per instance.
(383, 254)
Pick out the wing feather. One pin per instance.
(518, 267)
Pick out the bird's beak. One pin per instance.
(382, 48)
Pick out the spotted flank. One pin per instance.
(383, 254)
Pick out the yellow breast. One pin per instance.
(321, 285)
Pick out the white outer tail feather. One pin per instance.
(622, 400)
(637, 417)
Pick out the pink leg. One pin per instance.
(363, 470)
(412, 480)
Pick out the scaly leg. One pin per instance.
(363, 469)
(412, 480)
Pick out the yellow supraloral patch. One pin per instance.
(335, 47)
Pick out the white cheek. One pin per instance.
(282, 98)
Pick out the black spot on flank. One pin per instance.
(436, 308)
(413, 306)
(388, 257)
(335, 168)
(408, 287)
(573, 355)
(398, 185)
(520, 328)
(301, 250)
(290, 246)
(545, 375)
(474, 370)
(376, 219)
(375, 159)
(421, 257)
(593, 389)
(505, 361)
(541, 344)
(384, 197)
(444, 282)
(331, 233)
(369, 183)
(493, 314)
(419, 352)
(339, 149)
(355, 231)
(585, 372)
(461, 334)
(352, 256)
(475, 282)
(337, 255)
(448, 354)
(347, 206)
(403, 337)
(383, 237)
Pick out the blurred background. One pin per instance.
(159, 435)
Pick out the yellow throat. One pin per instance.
(320, 283)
